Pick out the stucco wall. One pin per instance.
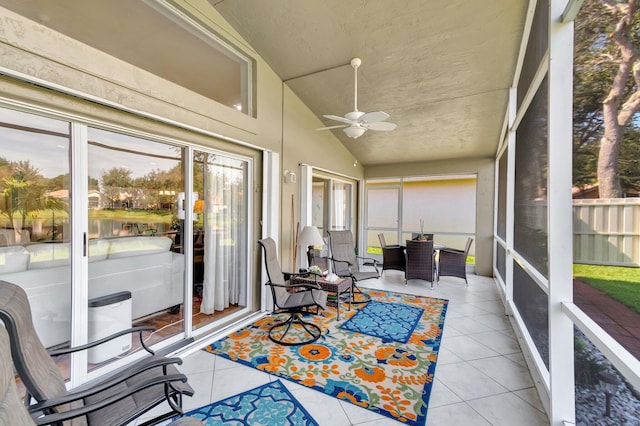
(282, 123)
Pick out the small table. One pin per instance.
(339, 286)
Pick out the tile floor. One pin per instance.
(481, 376)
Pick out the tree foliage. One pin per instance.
(606, 96)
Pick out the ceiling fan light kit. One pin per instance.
(358, 122)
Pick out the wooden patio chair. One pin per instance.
(115, 400)
(294, 299)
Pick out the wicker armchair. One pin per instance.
(420, 259)
(392, 255)
(453, 263)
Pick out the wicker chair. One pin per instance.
(420, 261)
(115, 400)
(392, 255)
(294, 299)
(453, 263)
(345, 263)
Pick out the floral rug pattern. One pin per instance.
(391, 378)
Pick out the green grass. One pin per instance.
(619, 282)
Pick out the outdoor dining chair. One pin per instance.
(392, 255)
(420, 261)
(453, 262)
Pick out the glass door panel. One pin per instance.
(220, 236)
(35, 241)
(382, 217)
(134, 238)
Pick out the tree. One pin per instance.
(114, 182)
(606, 40)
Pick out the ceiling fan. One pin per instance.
(358, 122)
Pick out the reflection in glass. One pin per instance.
(134, 230)
(35, 242)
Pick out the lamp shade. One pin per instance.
(310, 236)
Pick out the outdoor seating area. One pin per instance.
(481, 375)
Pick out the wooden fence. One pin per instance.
(607, 231)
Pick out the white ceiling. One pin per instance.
(441, 68)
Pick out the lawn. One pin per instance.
(619, 282)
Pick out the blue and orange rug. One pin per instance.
(267, 405)
(377, 372)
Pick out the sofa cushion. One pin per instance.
(98, 250)
(13, 259)
(49, 255)
(137, 246)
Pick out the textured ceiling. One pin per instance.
(441, 69)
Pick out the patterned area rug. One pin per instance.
(388, 321)
(391, 378)
(271, 404)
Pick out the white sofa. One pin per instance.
(142, 265)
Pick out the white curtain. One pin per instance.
(224, 226)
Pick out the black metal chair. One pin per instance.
(115, 400)
(420, 261)
(294, 299)
(392, 255)
(453, 263)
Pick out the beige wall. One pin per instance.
(484, 170)
(282, 122)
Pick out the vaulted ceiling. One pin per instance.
(441, 69)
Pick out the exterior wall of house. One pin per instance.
(282, 122)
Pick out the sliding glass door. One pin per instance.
(220, 229)
(106, 229)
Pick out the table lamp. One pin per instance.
(310, 236)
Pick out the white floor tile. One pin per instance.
(479, 363)
(508, 410)
(509, 374)
(455, 414)
(497, 341)
(467, 348)
(467, 382)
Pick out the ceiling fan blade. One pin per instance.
(372, 117)
(341, 126)
(384, 126)
(338, 118)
